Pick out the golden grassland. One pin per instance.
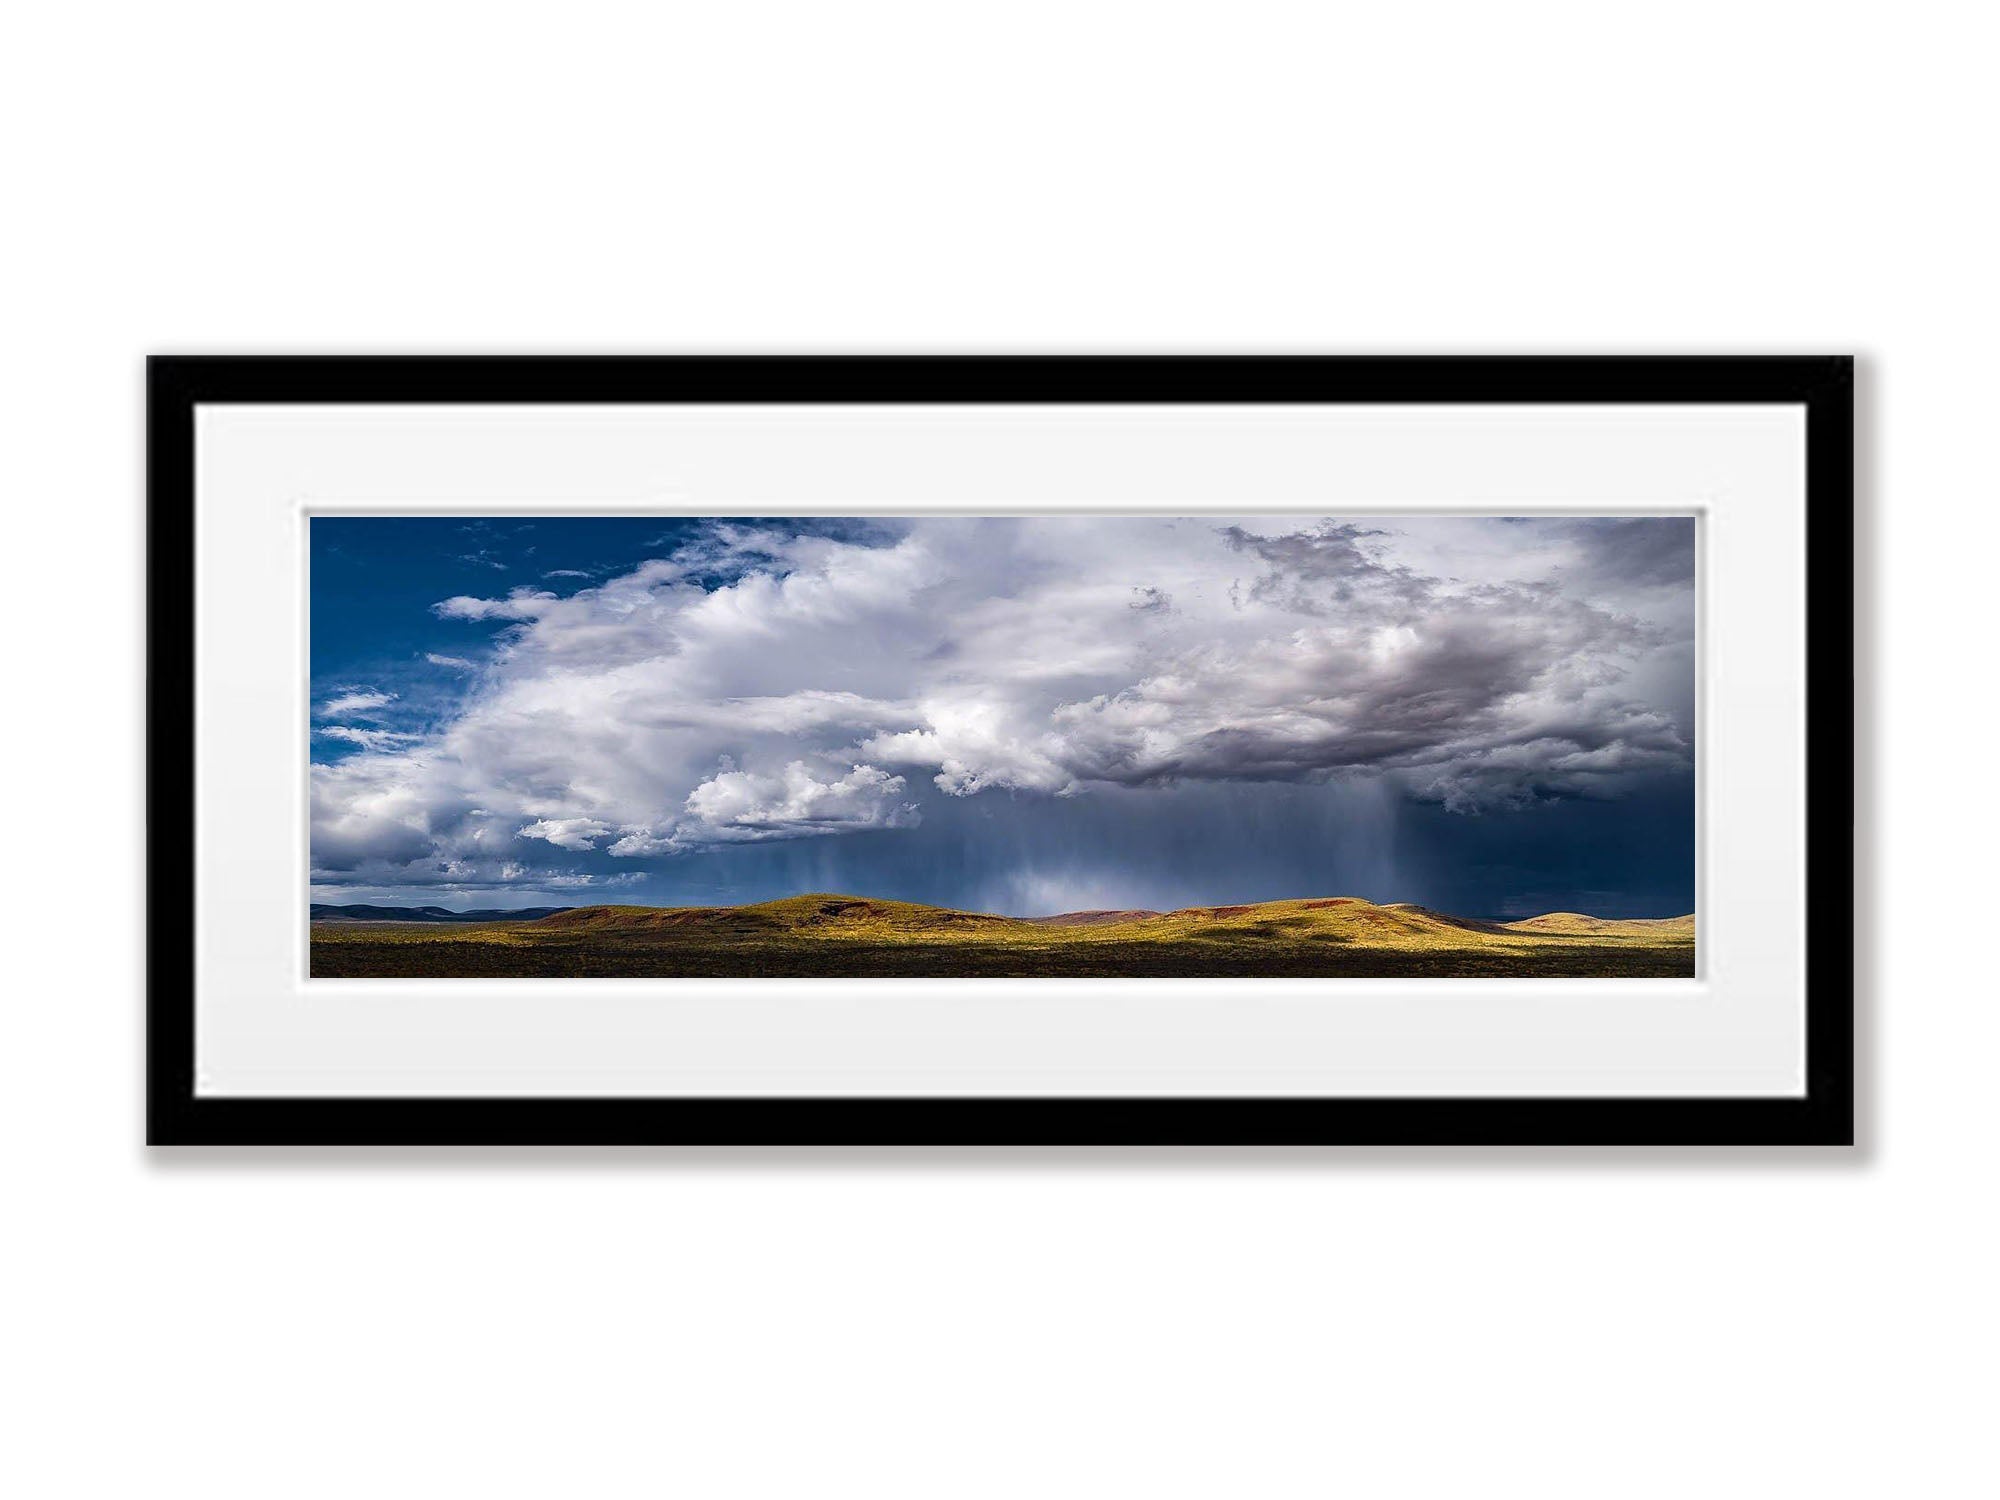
(822, 934)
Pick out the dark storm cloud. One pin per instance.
(1323, 568)
(1480, 693)
(1647, 551)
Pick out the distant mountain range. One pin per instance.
(322, 912)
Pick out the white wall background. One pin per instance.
(1527, 177)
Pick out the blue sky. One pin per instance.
(1489, 715)
(374, 581)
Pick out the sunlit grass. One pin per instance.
(822, 934)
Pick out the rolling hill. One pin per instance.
(825, 933)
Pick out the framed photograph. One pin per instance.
(1001, 750)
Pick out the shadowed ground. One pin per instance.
(846, 935)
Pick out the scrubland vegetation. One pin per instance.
(845, 935)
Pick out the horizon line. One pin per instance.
(971, 911)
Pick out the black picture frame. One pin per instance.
(1823, 1115)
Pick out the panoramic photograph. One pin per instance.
(1340, 746)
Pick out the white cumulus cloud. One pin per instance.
(521, 604)
(575, 834)
(746, 807)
